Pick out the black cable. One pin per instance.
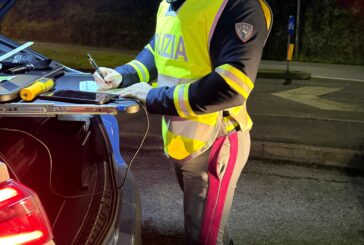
(51, 160)
(140, 145)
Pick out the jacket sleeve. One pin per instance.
(141, 69)
(235, 51)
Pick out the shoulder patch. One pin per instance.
(244, 31)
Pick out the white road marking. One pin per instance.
(307, 117)
(339, 79)
(309, 95)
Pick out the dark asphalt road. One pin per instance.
(275, 203)
(277, 119)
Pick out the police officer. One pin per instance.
(205, 56)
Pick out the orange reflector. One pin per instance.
(290, 51)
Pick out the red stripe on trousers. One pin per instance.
(215, 200)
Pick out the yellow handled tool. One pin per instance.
(38, 87)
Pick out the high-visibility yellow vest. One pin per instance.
(181, 52)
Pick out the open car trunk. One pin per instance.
(69, 164)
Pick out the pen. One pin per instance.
(94, 65)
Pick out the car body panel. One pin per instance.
(5, 6)
(125, 226)
(112, 129)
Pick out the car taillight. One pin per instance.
(22, 217)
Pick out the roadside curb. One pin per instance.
(307, 154)
(295, 153)
(282, 74)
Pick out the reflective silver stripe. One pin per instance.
(169, 81)
(177, 101)
(217, 17)
(263, 4)
(187, 128)
(149, 47)
(142, 70)
(183, 102)
(230, 123)
(234, 78)
(193, 130)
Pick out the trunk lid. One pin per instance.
(5, 6)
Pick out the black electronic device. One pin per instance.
(21, 69)
(75, 96)
(10, 85)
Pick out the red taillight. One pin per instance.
(22, 217)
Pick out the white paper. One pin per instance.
(88, 86)
(91, 86)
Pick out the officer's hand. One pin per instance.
(137, 91)
(112, 78)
